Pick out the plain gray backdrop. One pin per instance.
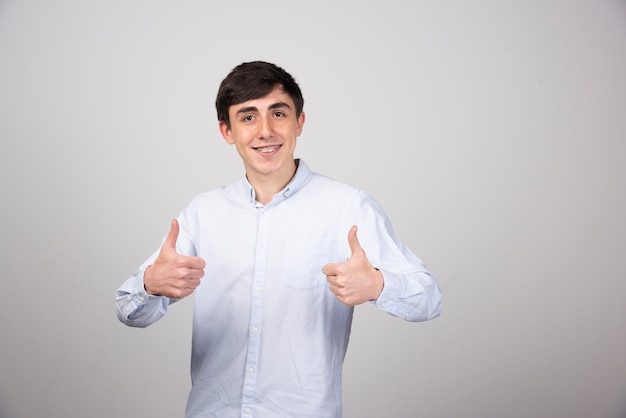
(491, 132)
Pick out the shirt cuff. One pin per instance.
(394, 291)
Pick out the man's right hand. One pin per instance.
(173, 275)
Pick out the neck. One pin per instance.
(266, 187)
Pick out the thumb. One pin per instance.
(172, 236)
(355, 246)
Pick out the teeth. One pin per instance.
(268, 149)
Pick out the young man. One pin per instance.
(275, 265)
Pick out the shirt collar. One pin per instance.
(299, 179)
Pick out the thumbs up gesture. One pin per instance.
(356, 281)
(172, 274)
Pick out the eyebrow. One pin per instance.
(277, 105)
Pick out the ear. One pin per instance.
(300, 123)
(226, 132)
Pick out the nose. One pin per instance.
(265, 128)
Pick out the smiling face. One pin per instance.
(264, 131)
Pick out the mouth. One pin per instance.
(267, 149)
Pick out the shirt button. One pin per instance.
(246, 410)
(250, 370)
(257, 289)
(382, 305)
(255, 330)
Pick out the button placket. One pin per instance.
(256, 309)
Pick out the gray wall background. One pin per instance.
(492, 132)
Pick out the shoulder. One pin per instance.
(332, 185)
(341, 193)
(339, 187)
(225, 196)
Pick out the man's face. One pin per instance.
(264, 131)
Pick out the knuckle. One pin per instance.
(180, 261)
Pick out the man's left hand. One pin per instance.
(356, 281)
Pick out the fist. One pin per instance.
(356, 281)
(172, 274)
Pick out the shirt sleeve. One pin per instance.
(413, 297)
(410, 291)
(135, 307)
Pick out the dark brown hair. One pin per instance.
(253, 80)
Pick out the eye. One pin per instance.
(279, 114)
(248, 118)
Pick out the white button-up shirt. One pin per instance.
(269, 337)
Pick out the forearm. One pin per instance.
(409, 290)
(412, 296)
(135, 307)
